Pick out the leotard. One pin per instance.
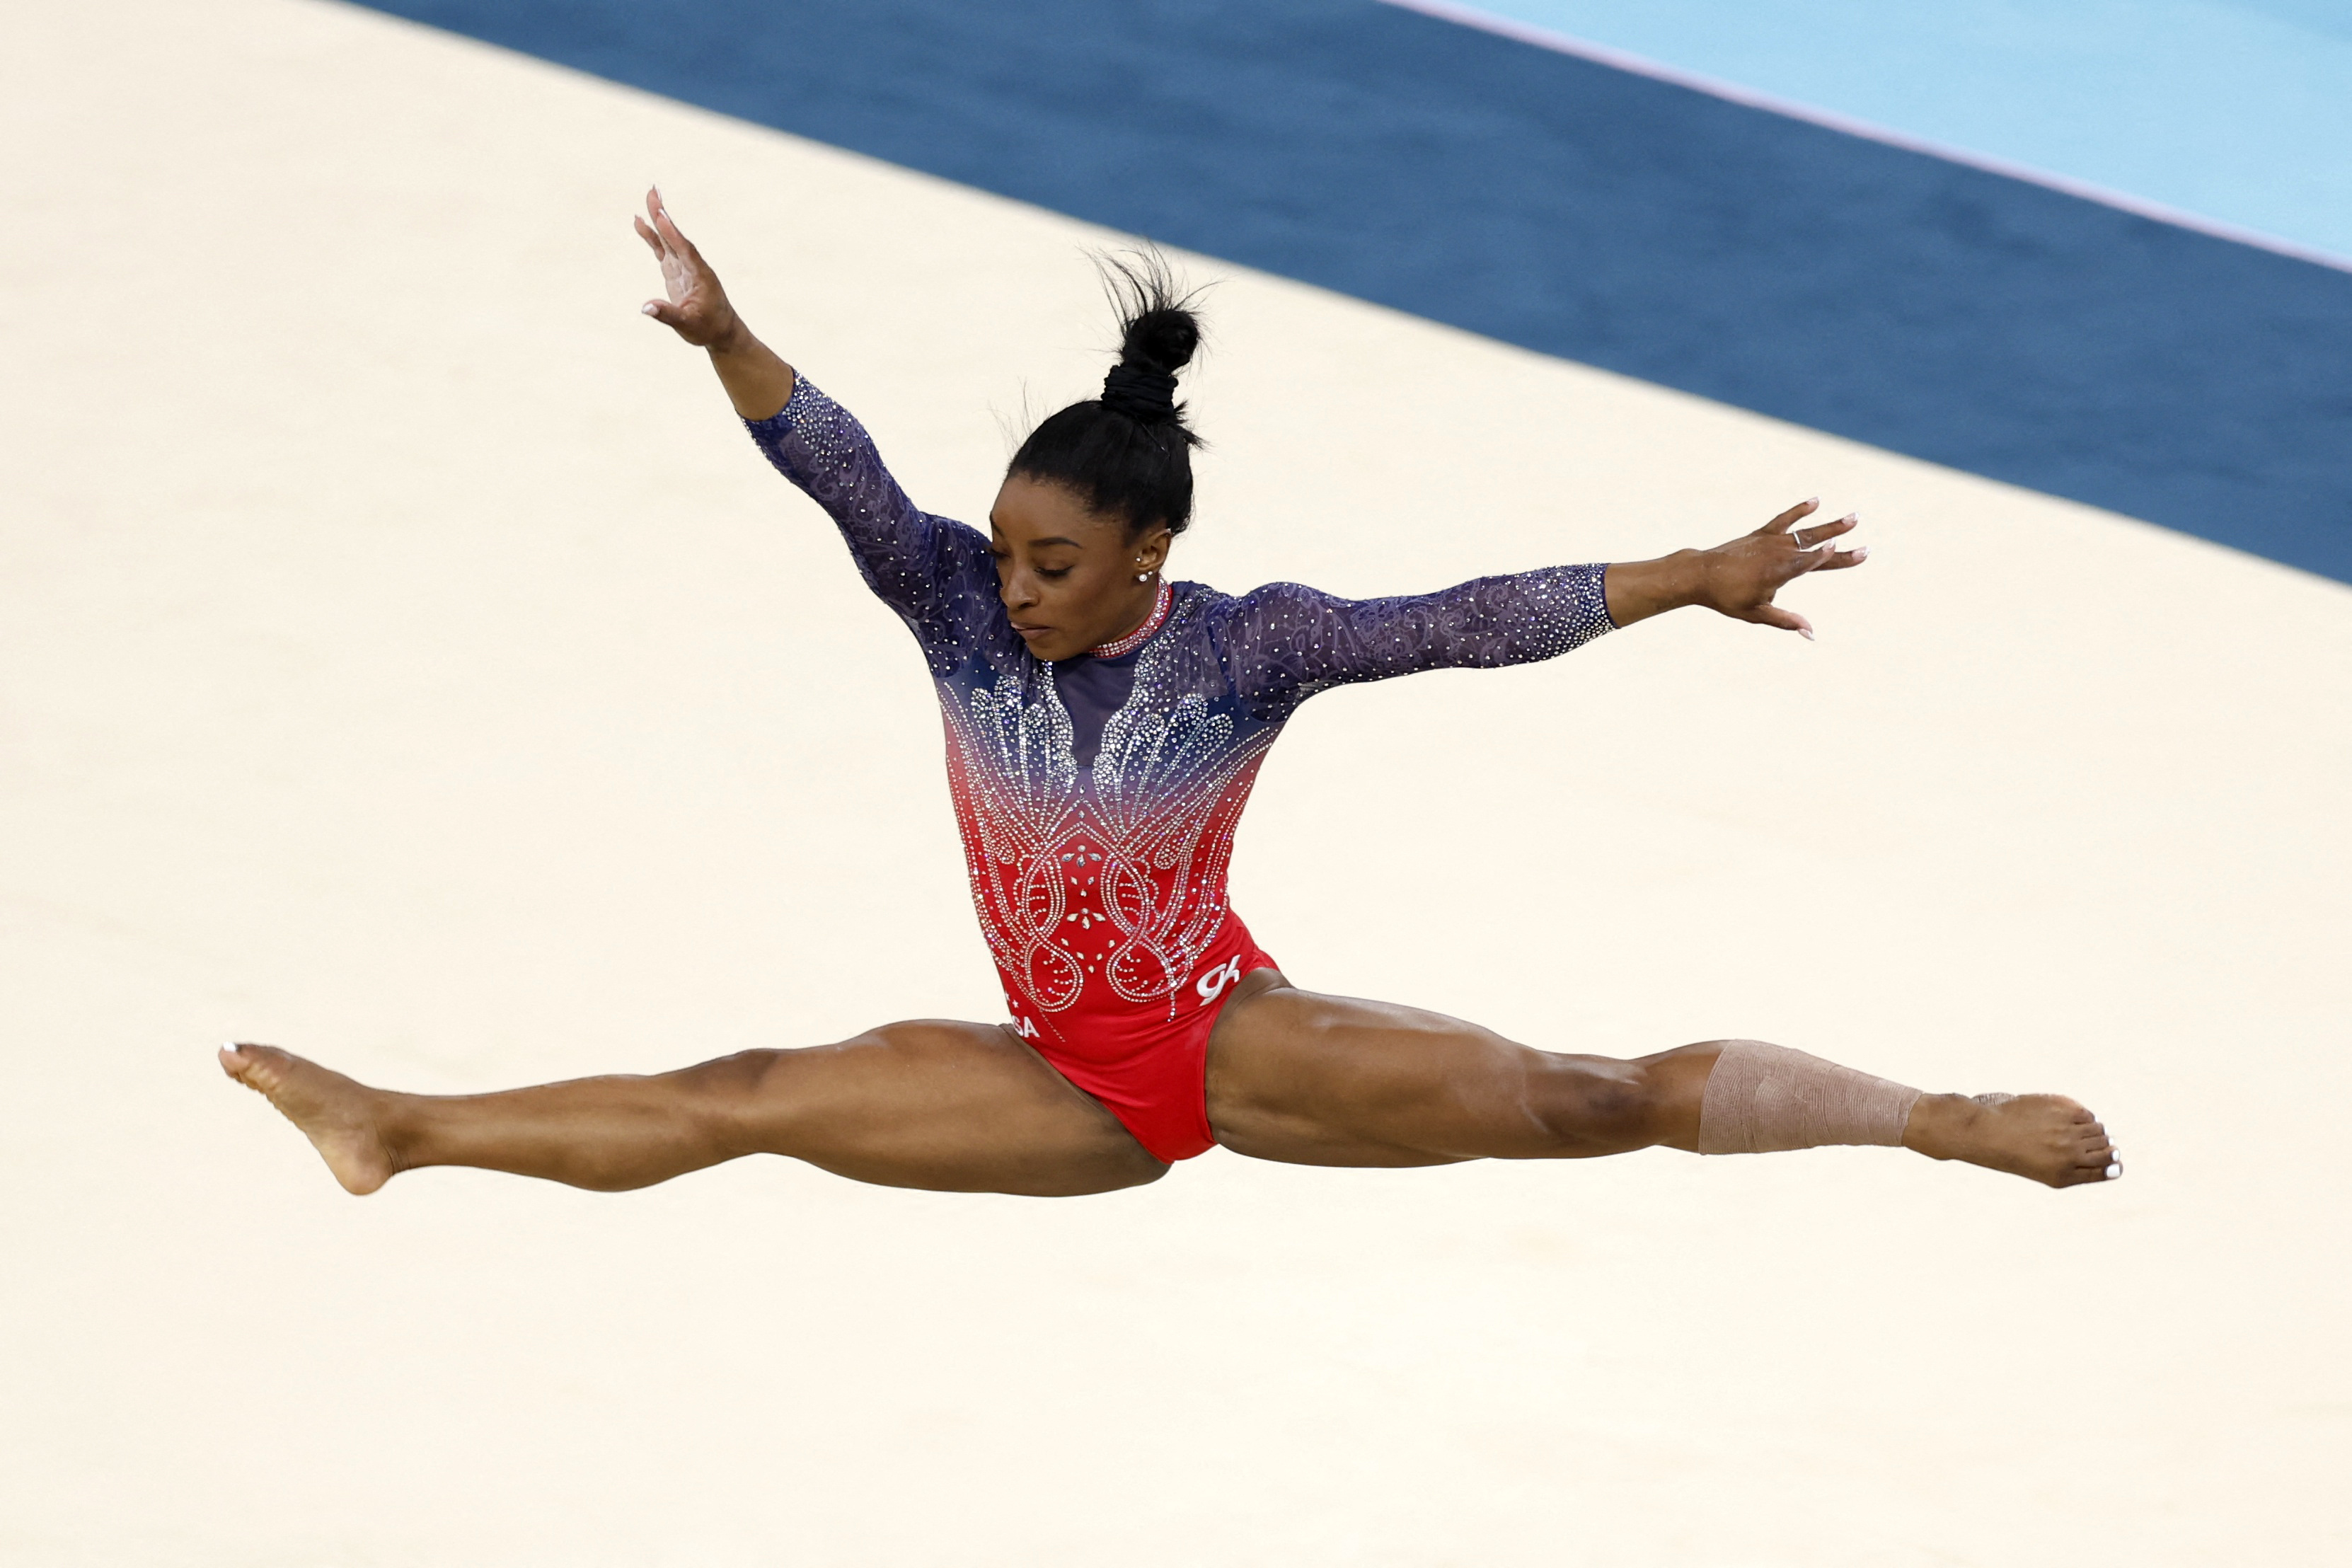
(1098, 796)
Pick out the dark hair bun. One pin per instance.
(1144, 394)
(1157, 335)
(1128, 453)
(1162, 338)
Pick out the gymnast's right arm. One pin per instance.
(929, 569)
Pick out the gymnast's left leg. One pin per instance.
(1333, 1081)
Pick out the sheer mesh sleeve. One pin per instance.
(931, 569)
(1287, 642)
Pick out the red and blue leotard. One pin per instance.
(1097, 798)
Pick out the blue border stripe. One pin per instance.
(1583, 211)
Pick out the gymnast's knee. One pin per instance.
(1596, 1105)
(735, 1100)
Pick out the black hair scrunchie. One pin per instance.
(1146, 396)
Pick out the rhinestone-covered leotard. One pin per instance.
(1100, 884)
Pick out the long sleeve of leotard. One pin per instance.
(1285, 642)
(927, 568)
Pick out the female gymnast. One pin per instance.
(1103, 725)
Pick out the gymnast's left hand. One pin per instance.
(1739, 579)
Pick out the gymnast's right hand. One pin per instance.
(697, 308)
(758, 383)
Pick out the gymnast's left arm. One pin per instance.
(1285, 642)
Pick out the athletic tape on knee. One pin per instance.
(1763, 1099)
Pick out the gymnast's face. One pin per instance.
(1067, 573)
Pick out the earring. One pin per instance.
(1143, 576)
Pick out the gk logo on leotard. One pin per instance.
(1213, 985)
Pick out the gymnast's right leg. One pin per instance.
(945, 1106)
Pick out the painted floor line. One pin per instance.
(1829, 119)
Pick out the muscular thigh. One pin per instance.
(1314, 1080)
(951, 1107)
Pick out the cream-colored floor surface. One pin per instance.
(404, 658)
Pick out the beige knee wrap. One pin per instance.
(1761, 1098)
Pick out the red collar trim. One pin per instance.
(1140, 635)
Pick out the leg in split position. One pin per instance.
(1333, 1081)
(945, 1106)
(1292, 1076)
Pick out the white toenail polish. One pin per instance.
(2113, 1171)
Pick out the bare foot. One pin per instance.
(336, 1113)
(2047, 1138)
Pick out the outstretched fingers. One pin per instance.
(1810, 555)
(1801, 556)
(1807, 550)
(1820, 533)
(696, 307)
(682, 268)
(664, 311)
(1771, 615)
(1782, 523)
(679, 246)
(1814, 554)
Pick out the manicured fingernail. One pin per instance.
(649, 310)
(1807, 631)
(1862, 552)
